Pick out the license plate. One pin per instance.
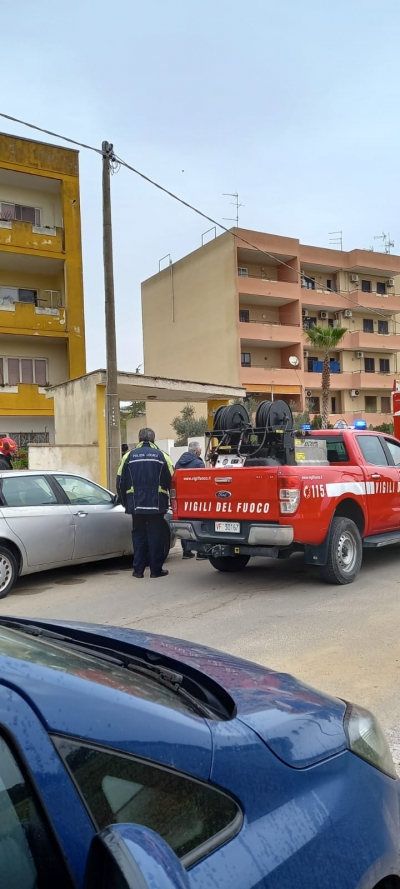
(228, 527)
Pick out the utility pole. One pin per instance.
(112, 400)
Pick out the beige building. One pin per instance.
(237, 309)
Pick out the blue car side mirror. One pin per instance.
(128, 856)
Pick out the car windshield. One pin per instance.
(58, 656)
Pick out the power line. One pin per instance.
(33, 126)
(189, 206)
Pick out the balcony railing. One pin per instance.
(46, 300)
(269, 323)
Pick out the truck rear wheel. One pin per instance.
(229, 563)
(344, 552)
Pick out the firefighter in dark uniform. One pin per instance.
(143, 484)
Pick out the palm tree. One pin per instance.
(325, 339)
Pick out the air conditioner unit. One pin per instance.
(354, 279)
(359, 354)
(323, 315)
(336, 323)
(354, 393)
(347, 313)
(305, 313)
(306, 353)
(390, 282)
(308, 393)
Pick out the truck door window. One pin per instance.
(394, 449)
(29, 857)
(372, 450)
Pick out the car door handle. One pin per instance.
(81, 514)
(375, 475)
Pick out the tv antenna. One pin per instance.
(235, 203)
(336, 238)
(387, 244)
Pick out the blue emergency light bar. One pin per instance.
(306, 427)
(360, 424)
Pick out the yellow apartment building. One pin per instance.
(235, 314)
(42, 336)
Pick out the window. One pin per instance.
(308, 283)
(314, 404)
(246, 359)
(118, 789)
(366, 286)
(381, 287)
(372, 449)
(333, 404)
(371, 403)
(29, 856)
(23, 370)
(310, 364)
(383, 327)
(385, 404)
(308, 323)
(11, 295)
(20, 213)
(394, 449)
(28, 490)
(244, 315)
(242, 272)
(384, 365)
(329, 284)
(368, 325)
(369, 365)
(78, 490)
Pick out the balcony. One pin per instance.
(387, 303)
(359, 340)
(281, 378)
(277, 292)
(371, 342)
(351, 380)
(25, 399)
(26, 236)
(272, 333)
(21, 317)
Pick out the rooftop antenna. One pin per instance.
(387, 244)
(235, 203)
(336, 238)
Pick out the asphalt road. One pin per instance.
(344, 640)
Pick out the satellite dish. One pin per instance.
(294, 361)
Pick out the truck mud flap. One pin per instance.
(317, 555)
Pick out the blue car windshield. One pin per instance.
(59, 657)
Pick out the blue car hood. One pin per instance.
(300, 725)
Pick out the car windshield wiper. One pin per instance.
(171, 679)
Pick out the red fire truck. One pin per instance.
(271, 491)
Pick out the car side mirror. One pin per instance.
(128, 856)
(116, 499)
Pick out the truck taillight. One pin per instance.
(289, 494)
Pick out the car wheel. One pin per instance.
(229, 563)
(344, 552)
(8, 571)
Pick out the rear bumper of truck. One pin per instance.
(253, 536)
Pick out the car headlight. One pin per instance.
(367, 740)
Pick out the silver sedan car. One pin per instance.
(55, 519)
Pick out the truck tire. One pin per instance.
(229, 563)
(344, 552)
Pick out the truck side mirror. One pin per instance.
(128, 856)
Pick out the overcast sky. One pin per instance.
(292, 103)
